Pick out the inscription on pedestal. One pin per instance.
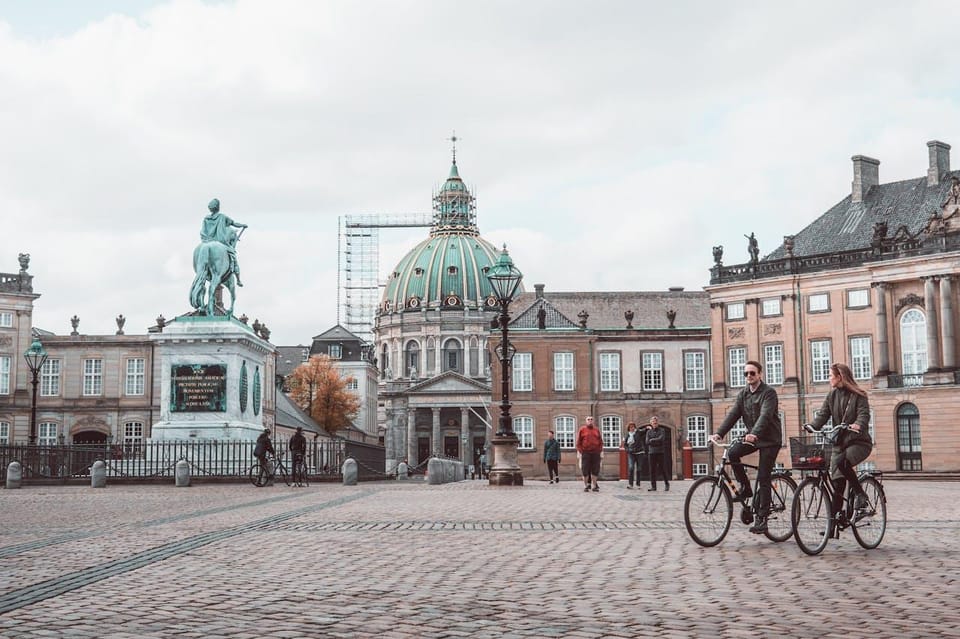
(198, 388)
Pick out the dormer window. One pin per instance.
(304, 354)
(335, 351)
(451, 270)
(418, 271)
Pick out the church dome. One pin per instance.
(449, 268)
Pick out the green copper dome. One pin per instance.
(449, 268)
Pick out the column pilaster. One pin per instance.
(947, 332)
(883, 340)
(930, 303)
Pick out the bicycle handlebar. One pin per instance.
(825, 430)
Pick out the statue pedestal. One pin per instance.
(506, 467)
(217, 377)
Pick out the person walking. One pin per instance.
(635, 445)
(757, 405)
(298, 447)
(551, 455)
(590, 451)
(656, 440)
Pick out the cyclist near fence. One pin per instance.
(264, 446)
(757, 405)
(846, 403)
(298, 447)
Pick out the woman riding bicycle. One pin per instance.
(846, 403)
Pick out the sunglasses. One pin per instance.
(750, 373)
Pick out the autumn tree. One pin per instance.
(317, 388)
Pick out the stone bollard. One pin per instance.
(14, 475)
(435, 474)
(98, 474)
(182, 474)
(350, 472)
(403, 471)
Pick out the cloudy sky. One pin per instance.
(610, 143)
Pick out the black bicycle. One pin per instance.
(708, 507)
(259, 475)
(300, 470)
(812, 516)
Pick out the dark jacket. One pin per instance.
(846, 407)
(759, 411)
(589, 440)
(551, 450)
(298, 443)
(656, 440)
(639, 443)
(264, 445)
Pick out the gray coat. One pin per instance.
(759, 411)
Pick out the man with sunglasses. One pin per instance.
(757, 404)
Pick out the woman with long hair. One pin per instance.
(847, 404)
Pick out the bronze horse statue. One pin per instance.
(211, 262)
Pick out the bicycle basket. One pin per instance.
(807, 454)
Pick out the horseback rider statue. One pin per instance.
(215, 259)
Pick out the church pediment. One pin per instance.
(449, 382)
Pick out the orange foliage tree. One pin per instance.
(317, 388)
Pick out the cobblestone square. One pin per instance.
(457, 560)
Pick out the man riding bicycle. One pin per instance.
(264, 446)
(757, 405)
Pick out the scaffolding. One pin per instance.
(358, 266)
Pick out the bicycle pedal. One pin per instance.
(746, 516)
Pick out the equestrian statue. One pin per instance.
(215, 259)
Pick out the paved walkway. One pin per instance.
(460, 560)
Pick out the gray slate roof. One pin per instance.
(849, 226)
(606, 309)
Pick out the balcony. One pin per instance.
(896, 380)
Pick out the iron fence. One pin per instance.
(146, 461)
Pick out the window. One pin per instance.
(820, 360)
(737, 359)
(135, 376)
(611, 431)
(563, 371)
(522, 372)
(50, 378)
(6, 320)
(412, 359)
(565, 431)
(304, 354)
(609, 371)
(699, 470)
(770, 307)
(818, 302)
(133, 439)
(523, 429)
(652, 365)
(4, 433)
(739, 430)
(694, 370)
(909, 451)
(452, 356)
(697, 431)
(913, 342)
(352, 384)
(46, 434)
(335, 351)
(773, 363)
(858, 298)
(4, 374)
(735, 311)
(861, 361)
(93, 377)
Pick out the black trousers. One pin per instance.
(553, 466)
(657, 461)
(768, 459)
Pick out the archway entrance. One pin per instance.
(908, 438)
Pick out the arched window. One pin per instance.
(411, 360)
(452, 356)
(908, 437)
(913, 342)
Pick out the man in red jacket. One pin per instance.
(590, 451)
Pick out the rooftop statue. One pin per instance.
(215, 259)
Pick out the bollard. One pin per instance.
(350, 472)
(14, 475)
(98, 474)
(435, 474)
(182, 474)
(403, 471)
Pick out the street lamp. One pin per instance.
(35, 356)
(505, 280)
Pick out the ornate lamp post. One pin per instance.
(35, 356)
(505, 280)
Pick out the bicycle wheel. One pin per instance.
(282, 471)
(870, 525)
(258, 477)
(811, 516)
(707, 511)
(779, 521)
(302, 475)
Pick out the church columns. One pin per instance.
(465, 444)
(883, 341)
(933, 326)
(946, 323)
(436, 443)
(412, 437)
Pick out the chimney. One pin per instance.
(866, 173)
(939, 161)
(539, 290)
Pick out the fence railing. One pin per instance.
(151, 460)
